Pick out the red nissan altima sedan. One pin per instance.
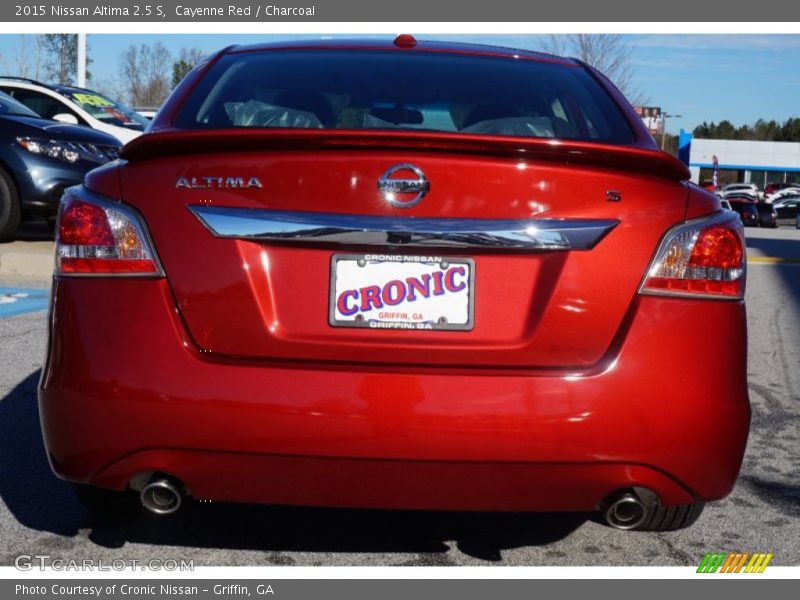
(398, 275)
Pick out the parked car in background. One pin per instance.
(778, 186)
(305, 286)
(751, 189)
(740, 197)
(753, 195)
(76, 106)
(766, 214)
(786, 210)
(793, 190)
(725, 204)
(39, 158)
(147, 112)
(746, 209)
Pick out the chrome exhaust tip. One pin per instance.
(626, 510)
(161, 496)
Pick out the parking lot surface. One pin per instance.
(39, 515)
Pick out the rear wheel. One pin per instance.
(10, 210)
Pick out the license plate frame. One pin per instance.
(443, 263)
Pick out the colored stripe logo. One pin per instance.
(738, 562)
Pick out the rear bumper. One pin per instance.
(124, 391)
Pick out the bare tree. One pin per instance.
(27, 59)
(146, 69)
(187, 60)
(60, 56)
(610, 54)
(112, 87)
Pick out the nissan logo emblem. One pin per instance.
(403, 192)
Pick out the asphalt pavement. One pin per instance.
(39, 515)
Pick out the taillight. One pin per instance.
(96, 236)
(700, 258)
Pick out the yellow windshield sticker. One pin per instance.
(92, 100)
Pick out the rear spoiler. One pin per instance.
(565, 152)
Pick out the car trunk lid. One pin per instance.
(243, 293)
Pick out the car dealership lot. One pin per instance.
(40, 516)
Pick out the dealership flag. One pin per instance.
(715, 176)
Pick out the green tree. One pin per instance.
(745, 133)
(790, 130)
(702, 131)
(180, 69)
(761, 130)
(187, 60)
(726, 130)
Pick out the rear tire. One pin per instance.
(10, 209)
(671, 518)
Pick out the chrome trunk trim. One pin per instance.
(335, 229)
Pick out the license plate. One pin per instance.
(381, 291)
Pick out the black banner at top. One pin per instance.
(443, 11)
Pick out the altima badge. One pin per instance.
(403, 192)
(221, 183)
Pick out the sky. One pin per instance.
(740, 78)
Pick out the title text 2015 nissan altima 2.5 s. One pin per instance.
(398, 275)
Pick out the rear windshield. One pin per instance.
(391, 90)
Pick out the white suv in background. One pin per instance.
(738, 189)
(76, 106)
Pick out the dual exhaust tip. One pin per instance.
(627, 509)
(161, 496)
